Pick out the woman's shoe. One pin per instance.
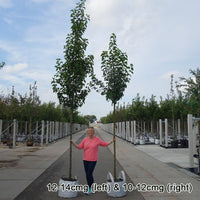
(89, 192)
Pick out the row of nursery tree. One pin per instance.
(184, 99)
(28, 107)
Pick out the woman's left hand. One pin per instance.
(112, 141)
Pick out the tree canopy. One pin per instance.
(69, 82)
(116, 72)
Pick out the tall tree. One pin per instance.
(152, 108)
(192, 91)
(181, 108)
(31, 106)
(172, 105)
(116, 74)
(69, 82)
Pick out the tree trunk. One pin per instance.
(130, 135)
(173, 129)
(70, 152)
(114, 144)
(8, 129)
(199, 143)
(182, 125)
(173, 121)
(30, 122)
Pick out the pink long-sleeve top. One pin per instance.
(90, 147)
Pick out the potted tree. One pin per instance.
(30, 104)
(192, 91)
(181, 104)
(69, 82)
(174, 142)
(116, 74)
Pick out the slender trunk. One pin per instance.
(182, 126)
(8, 129)
(198, 149)
(129, 130)
(173, 129)
(70, 152)
(125, 129)
(21, 127)
(173, 121)
(199, 143)
(30, 120)
(114, 145)
(118, 118)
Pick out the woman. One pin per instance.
(90, 156)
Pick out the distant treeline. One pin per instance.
(184, 99)
(28, 107)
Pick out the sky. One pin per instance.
(160, 37)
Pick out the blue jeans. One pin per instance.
(89, 168)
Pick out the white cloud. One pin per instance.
(5, 3)
(103, 12)
(15, 68)
(13, 50)
(21, 76)
(11, 78)
(10, 75)
(39, 75)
